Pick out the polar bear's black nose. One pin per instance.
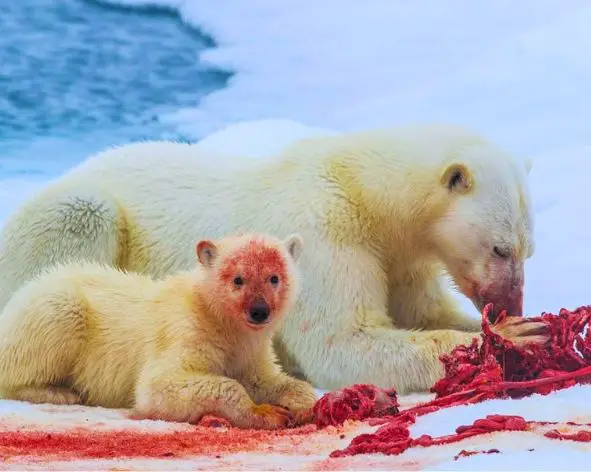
(258, 312)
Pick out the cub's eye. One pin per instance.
(238, 281)
(503, 253)
(274, 280)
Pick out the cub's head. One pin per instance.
(251, 279)
(485, 234)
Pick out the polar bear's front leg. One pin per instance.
(423, 299)
(341, 331)
(168, 392)
(265, 381)
(383, 355)
(404, 359)
(376, 352)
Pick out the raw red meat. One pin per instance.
(394, 437)
(579, 436)
(510, 371)
(495, 369)
(210, 421)
(357, 402)
(464, 453)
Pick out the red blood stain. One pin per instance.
(255, 263)
(464, 453)
(80, 444)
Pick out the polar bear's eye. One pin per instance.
(238, 281)
(503, 253)
(274, 280)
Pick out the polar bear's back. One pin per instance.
(145, 163)
(155, 189)
(153, 182)
(94, 286)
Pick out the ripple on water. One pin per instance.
(76, 74)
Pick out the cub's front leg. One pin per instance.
(175, 394)
(267, 383)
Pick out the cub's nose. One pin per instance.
(258, 312)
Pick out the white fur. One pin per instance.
(371, 265)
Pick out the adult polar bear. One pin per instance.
(382, 212)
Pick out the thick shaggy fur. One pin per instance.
(384, 214)
(173, 349)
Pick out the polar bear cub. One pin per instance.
(193, 343)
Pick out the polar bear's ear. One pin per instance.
(457, 178)
(528, 164)
(294, 245)
(207, 252)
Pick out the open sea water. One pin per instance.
(77, 76)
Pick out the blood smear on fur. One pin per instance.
(80, 444)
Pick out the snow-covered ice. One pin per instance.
(528, 450)
(517, 71)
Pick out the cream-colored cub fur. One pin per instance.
(383, 213)
(197, 342)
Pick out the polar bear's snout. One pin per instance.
(259, 312)
(505, 291)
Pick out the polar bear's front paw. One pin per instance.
(267, 416)
(299, 399)
(521, 331)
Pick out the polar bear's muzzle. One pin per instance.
(505, 291)
(259, 312)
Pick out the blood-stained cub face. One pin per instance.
(252, 278)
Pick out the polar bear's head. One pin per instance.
(250, 280)
(485, 234)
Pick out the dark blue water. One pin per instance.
(76, 76)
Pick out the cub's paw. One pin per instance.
(300, 402)
(302, 416)
(267, 416)
(521, 331)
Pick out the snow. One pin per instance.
(518, 72)
(562, 406)
(518, 450)
(260, 138)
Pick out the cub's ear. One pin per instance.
(207, 252)
(528, 163)
(294, 245)
(457, 178)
